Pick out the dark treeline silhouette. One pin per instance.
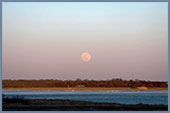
(81, 83)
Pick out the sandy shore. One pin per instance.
(85, 89)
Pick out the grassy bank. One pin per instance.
(68, 105)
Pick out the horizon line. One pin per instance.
(92, 79)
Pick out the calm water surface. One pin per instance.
(123, 97)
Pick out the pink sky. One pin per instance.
(45, 41)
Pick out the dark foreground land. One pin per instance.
(16, 104)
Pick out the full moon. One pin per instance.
(86, 57)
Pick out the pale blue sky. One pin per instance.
(45, 40)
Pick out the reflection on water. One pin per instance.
(123, 97)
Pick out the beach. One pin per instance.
(87, 89)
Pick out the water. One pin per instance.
(122, 97)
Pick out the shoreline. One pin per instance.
(17, 104)
(87, 89)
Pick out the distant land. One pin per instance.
(78, 84)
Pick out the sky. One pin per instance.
(45, 40)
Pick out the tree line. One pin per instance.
(81, 83)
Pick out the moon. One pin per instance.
(86, 57)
